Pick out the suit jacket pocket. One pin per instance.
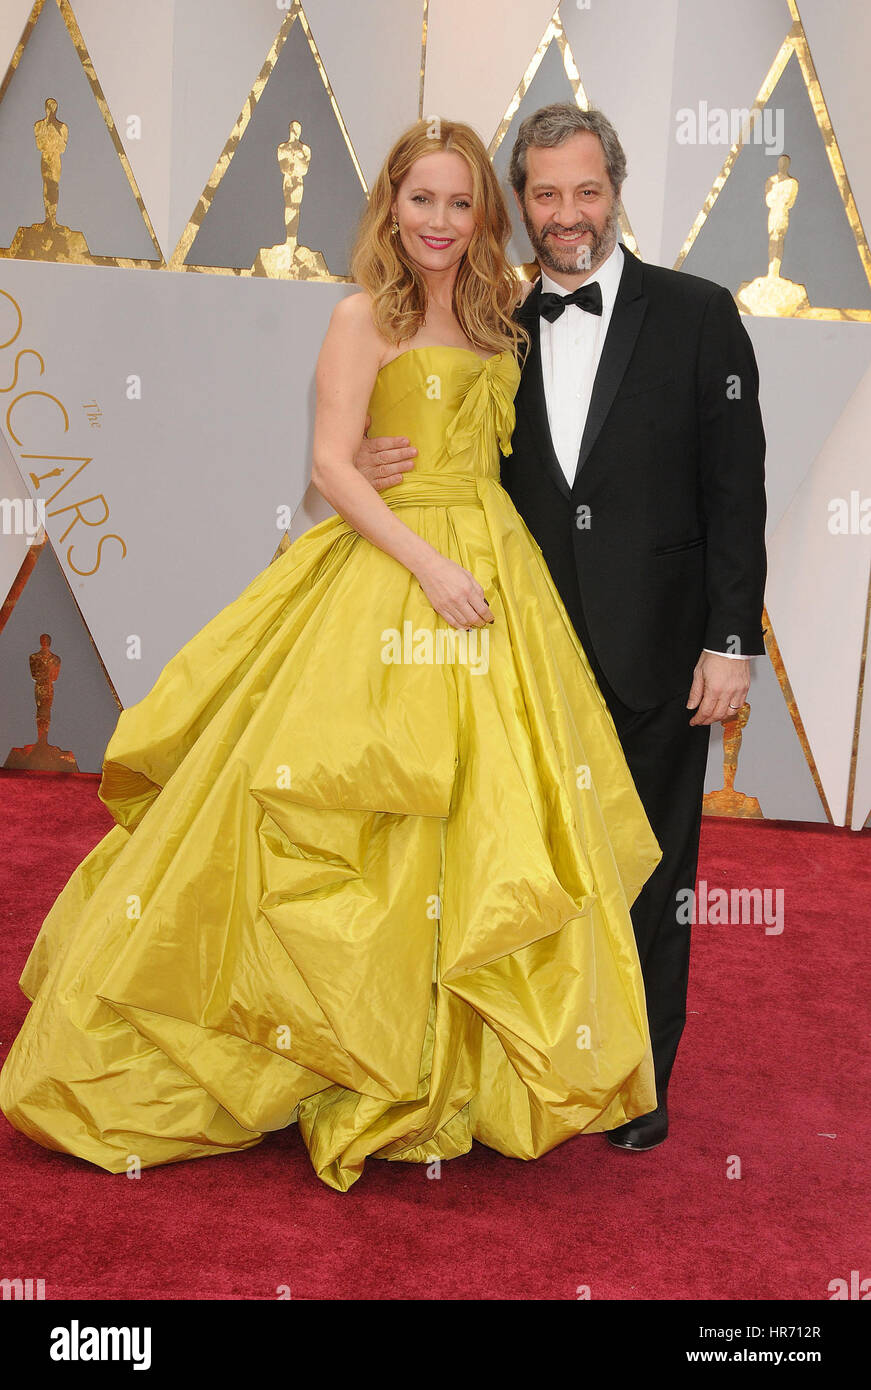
(636, 387)
(676, 549)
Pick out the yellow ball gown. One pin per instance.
(359, 881)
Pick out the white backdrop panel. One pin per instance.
(372, 55)
(14, 15)
(816, 595)
(134, 66)
(808, 370)
(219, 48)
(476, 55)
(194, 471)
(722, 55)
(839, 38)
(614, 71)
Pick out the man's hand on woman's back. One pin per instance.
(383, 460)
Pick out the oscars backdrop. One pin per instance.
(180, 186)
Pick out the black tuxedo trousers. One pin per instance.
(667, 758)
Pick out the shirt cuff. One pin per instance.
(733, 656)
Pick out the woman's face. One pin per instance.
(433, 207)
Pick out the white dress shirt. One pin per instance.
(571, 347)
(570, 350)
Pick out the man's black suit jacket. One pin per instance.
(670, 557)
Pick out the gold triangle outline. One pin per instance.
(786, 689)
(857, 721)
(204, 202)
(555, 33)
(34, 552)
(25, 569)
(796, 44)
(75, 33)
(423, 34)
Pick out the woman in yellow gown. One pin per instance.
(376, 839)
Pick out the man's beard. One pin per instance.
(572, 260)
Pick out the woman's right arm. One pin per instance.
(346, 370)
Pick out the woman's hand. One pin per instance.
(453, 592)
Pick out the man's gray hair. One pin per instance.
(551, 125)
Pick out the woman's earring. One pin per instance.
(395, 228)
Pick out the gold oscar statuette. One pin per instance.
(43, 756)
(772, 294)
(726, 801)
(48, 240)
(289, 258)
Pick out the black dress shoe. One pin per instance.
(644, 1132)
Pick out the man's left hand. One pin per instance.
(719, 688)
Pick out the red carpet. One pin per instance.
(773, 1070)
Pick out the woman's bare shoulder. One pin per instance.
(353, 314)
(353, 350)
(351, 323)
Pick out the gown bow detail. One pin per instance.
(488, 405)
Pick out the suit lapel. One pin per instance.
(533, 392)
(629, 309)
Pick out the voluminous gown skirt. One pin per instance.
(363, 878)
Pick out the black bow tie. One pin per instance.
(588, 297)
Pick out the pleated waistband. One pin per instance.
(436, 490)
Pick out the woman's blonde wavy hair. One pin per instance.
(486, 289)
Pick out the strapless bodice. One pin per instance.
(456, 408)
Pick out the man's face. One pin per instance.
(568, 206)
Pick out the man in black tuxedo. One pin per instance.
(637, 464)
